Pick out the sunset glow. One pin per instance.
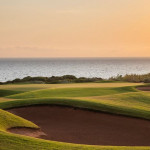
(74, 28)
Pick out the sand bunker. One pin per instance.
(27, 131)
(85, 127)
(144, 88)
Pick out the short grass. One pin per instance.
(31, 87)
(15, 142)
(117, 98)
(4, 93)
(73, 92)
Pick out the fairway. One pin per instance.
(73, 92)
(30, 87)
(87, 102)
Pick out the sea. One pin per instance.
(12, 68)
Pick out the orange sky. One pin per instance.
(75, 28)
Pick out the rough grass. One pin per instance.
(8, 120)
(113, 99)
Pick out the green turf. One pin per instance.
(113, 104)
(15, 142)
(111, 98)
(73, 92)
(31, 87)
(4, 93)
(8, 120)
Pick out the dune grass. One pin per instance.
(123, 100)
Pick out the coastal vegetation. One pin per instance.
(132, 78)
(73, 79)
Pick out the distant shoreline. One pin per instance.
(73, 79)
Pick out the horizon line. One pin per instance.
(63, 57)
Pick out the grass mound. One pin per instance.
(8, 120)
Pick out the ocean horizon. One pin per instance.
(104, 67)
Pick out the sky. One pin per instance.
(74, 28)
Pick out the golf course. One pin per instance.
(75, 116)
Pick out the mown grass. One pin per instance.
(31, 87)
(15, 142)
(105, 104)
(73, 92)
(118, 100)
